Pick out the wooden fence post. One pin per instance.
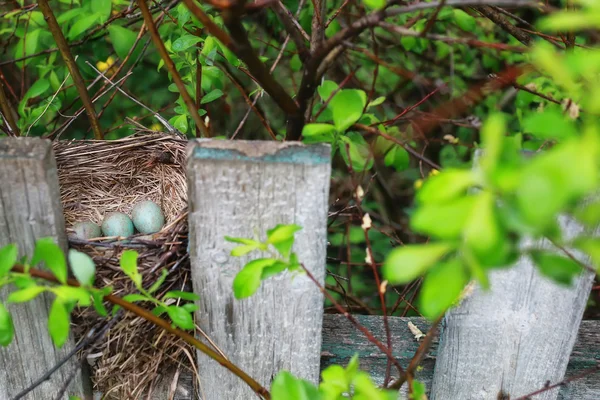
(30, 209)
(241, 189)
(513, 339)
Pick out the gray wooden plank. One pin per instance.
(30, 209)
(341, 341)
(241, 189)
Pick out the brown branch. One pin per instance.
(148, 316)
(293, 28)
(312, 66)
(410, 150)
(500, 20)
(354, 322)
(65, 52)
(187, 99)
(7, 112)
(419, 355)
(243, 50)
(564, 382)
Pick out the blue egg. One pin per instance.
(117, 224)
(147, 217)
(86, 230)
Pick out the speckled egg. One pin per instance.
(117, 224)
(147, 217)
(86, 230)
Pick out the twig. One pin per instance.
(500, 20)
(70, 62)
(160, 119)
(7, 112)
(354, 322)
(413, 152)
(147, 315)
(419, 354)
(564, 382)
(189, 102)
(293, 28)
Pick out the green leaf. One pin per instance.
(347, 107)
(7, 329)
(178, 294)
(156, 285)
(560, 269)
(49, 252)
(589, 214)
(335, 381)
(443, 220)
(464, 21)
(82, 25)
(282, 238)
(590, 246)
(549, 124)
(185, 42)
(159, 310)
(406, 263)
(398, 158)
(211, 96)
(569, 21)
(326, 89)
(445, 186)
(134, 297)
(37, 89)
(181, 123)
(553, 179)
(247, 281)
(27, 294)
(58, 323)
(8, 258)
(98, 304)
(129, 266)
(375, 4)
(419, 389)
(318, 130)
(180, 317)
(190, 307)
(71, 294)
(272, 270)
(243, 250)
(376, 102)
(287, 387)
(442, 287)
(122, 40)
(83, 267)
(483, 233)
(356, 152)
(102, 9)
(492, 135)
(68, 15)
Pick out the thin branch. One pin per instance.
(160, 119)
(354, 322)
(564, 382)
(500, 20)
(187, 99)
(7, 112)
(243, 50)
(148, 316)
(72, 67)
(293, 28)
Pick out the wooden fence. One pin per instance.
(509, 342)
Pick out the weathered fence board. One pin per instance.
(241, 189)
(341, 340)
(30, 209)
(507, 340)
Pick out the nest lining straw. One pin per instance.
(98, 177)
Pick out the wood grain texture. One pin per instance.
(241, 189)
(30, 209)
(513, 337)
(341, 341)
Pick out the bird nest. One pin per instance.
(98, 177)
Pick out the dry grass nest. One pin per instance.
(98, 177)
